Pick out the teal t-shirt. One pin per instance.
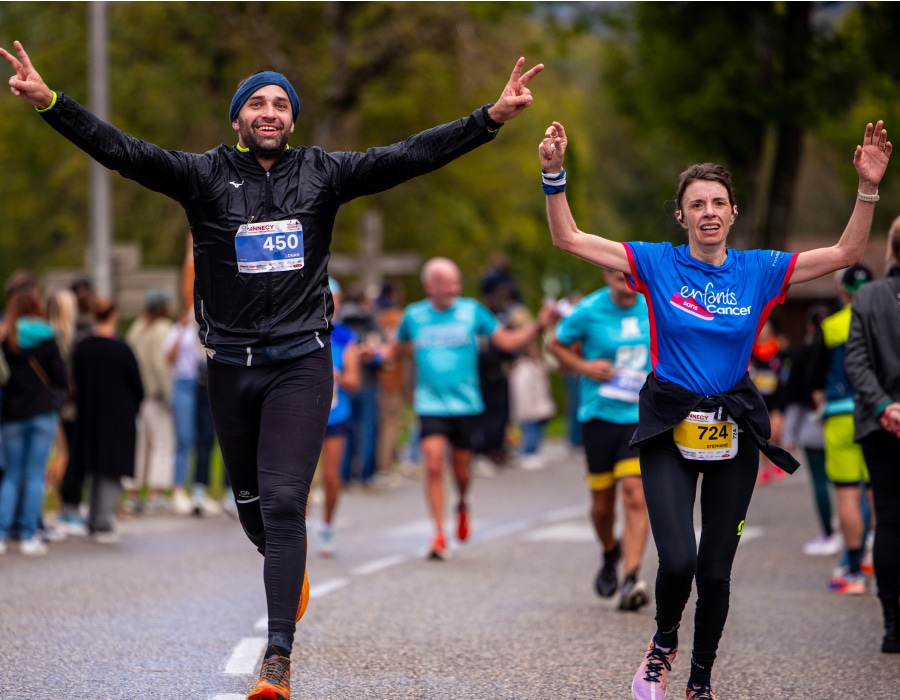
(446, 355)
(622, 336)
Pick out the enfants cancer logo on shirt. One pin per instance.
(708, 303)
(691, 307)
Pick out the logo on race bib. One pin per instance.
(269, 246)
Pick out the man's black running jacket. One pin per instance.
(224, 188)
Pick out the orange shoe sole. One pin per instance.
(267, 691)
(304, 601)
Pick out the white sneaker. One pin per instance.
(181, 504)
(327, 546)
(52, 534)
(823, 546)
(105, 537)
(532, 462)
(32, 547)
(483, 467)
(74, 527)
(2, 547)
(207, 507)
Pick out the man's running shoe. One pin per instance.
(700, 692)
(650, 680)
(462, 523)
(823, 546)
(848, 584)
(635, 593)
(438, 547)
(274, 680)
(607, 582)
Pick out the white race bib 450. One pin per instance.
(269, 246)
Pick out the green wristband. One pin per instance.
(48, 107)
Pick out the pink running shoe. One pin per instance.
(650, 680)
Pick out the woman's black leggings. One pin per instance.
(882, 453)
(270, 421)
(670, 487)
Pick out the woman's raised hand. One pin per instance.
(871, 158)
(553, 148)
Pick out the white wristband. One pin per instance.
(868, 197)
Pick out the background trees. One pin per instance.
(778, 92)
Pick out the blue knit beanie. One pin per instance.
(258, 80)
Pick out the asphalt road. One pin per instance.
(176, 610)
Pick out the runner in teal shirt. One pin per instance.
(606, 341)
(620, 335)
(446, 355)
(442, 332)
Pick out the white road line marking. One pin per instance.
(413, 527)
(563, 532)
(752, 532)
(229, 696)
(327, 586)
(566, 513)
(249, 651)
(378, 565)
(501, 529)
(246, 656)
(317, 591)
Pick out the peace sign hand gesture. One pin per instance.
(27, 83)
(515, 96)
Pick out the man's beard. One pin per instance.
(264, 147)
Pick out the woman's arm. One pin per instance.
(870, 161)
(563, 229)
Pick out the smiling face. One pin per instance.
(265, 122)
(706, 213)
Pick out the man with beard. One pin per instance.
(261, 214)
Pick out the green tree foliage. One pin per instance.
(778, 92)
(367, 74)
(736, 83)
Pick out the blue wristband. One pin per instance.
(555, 183)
